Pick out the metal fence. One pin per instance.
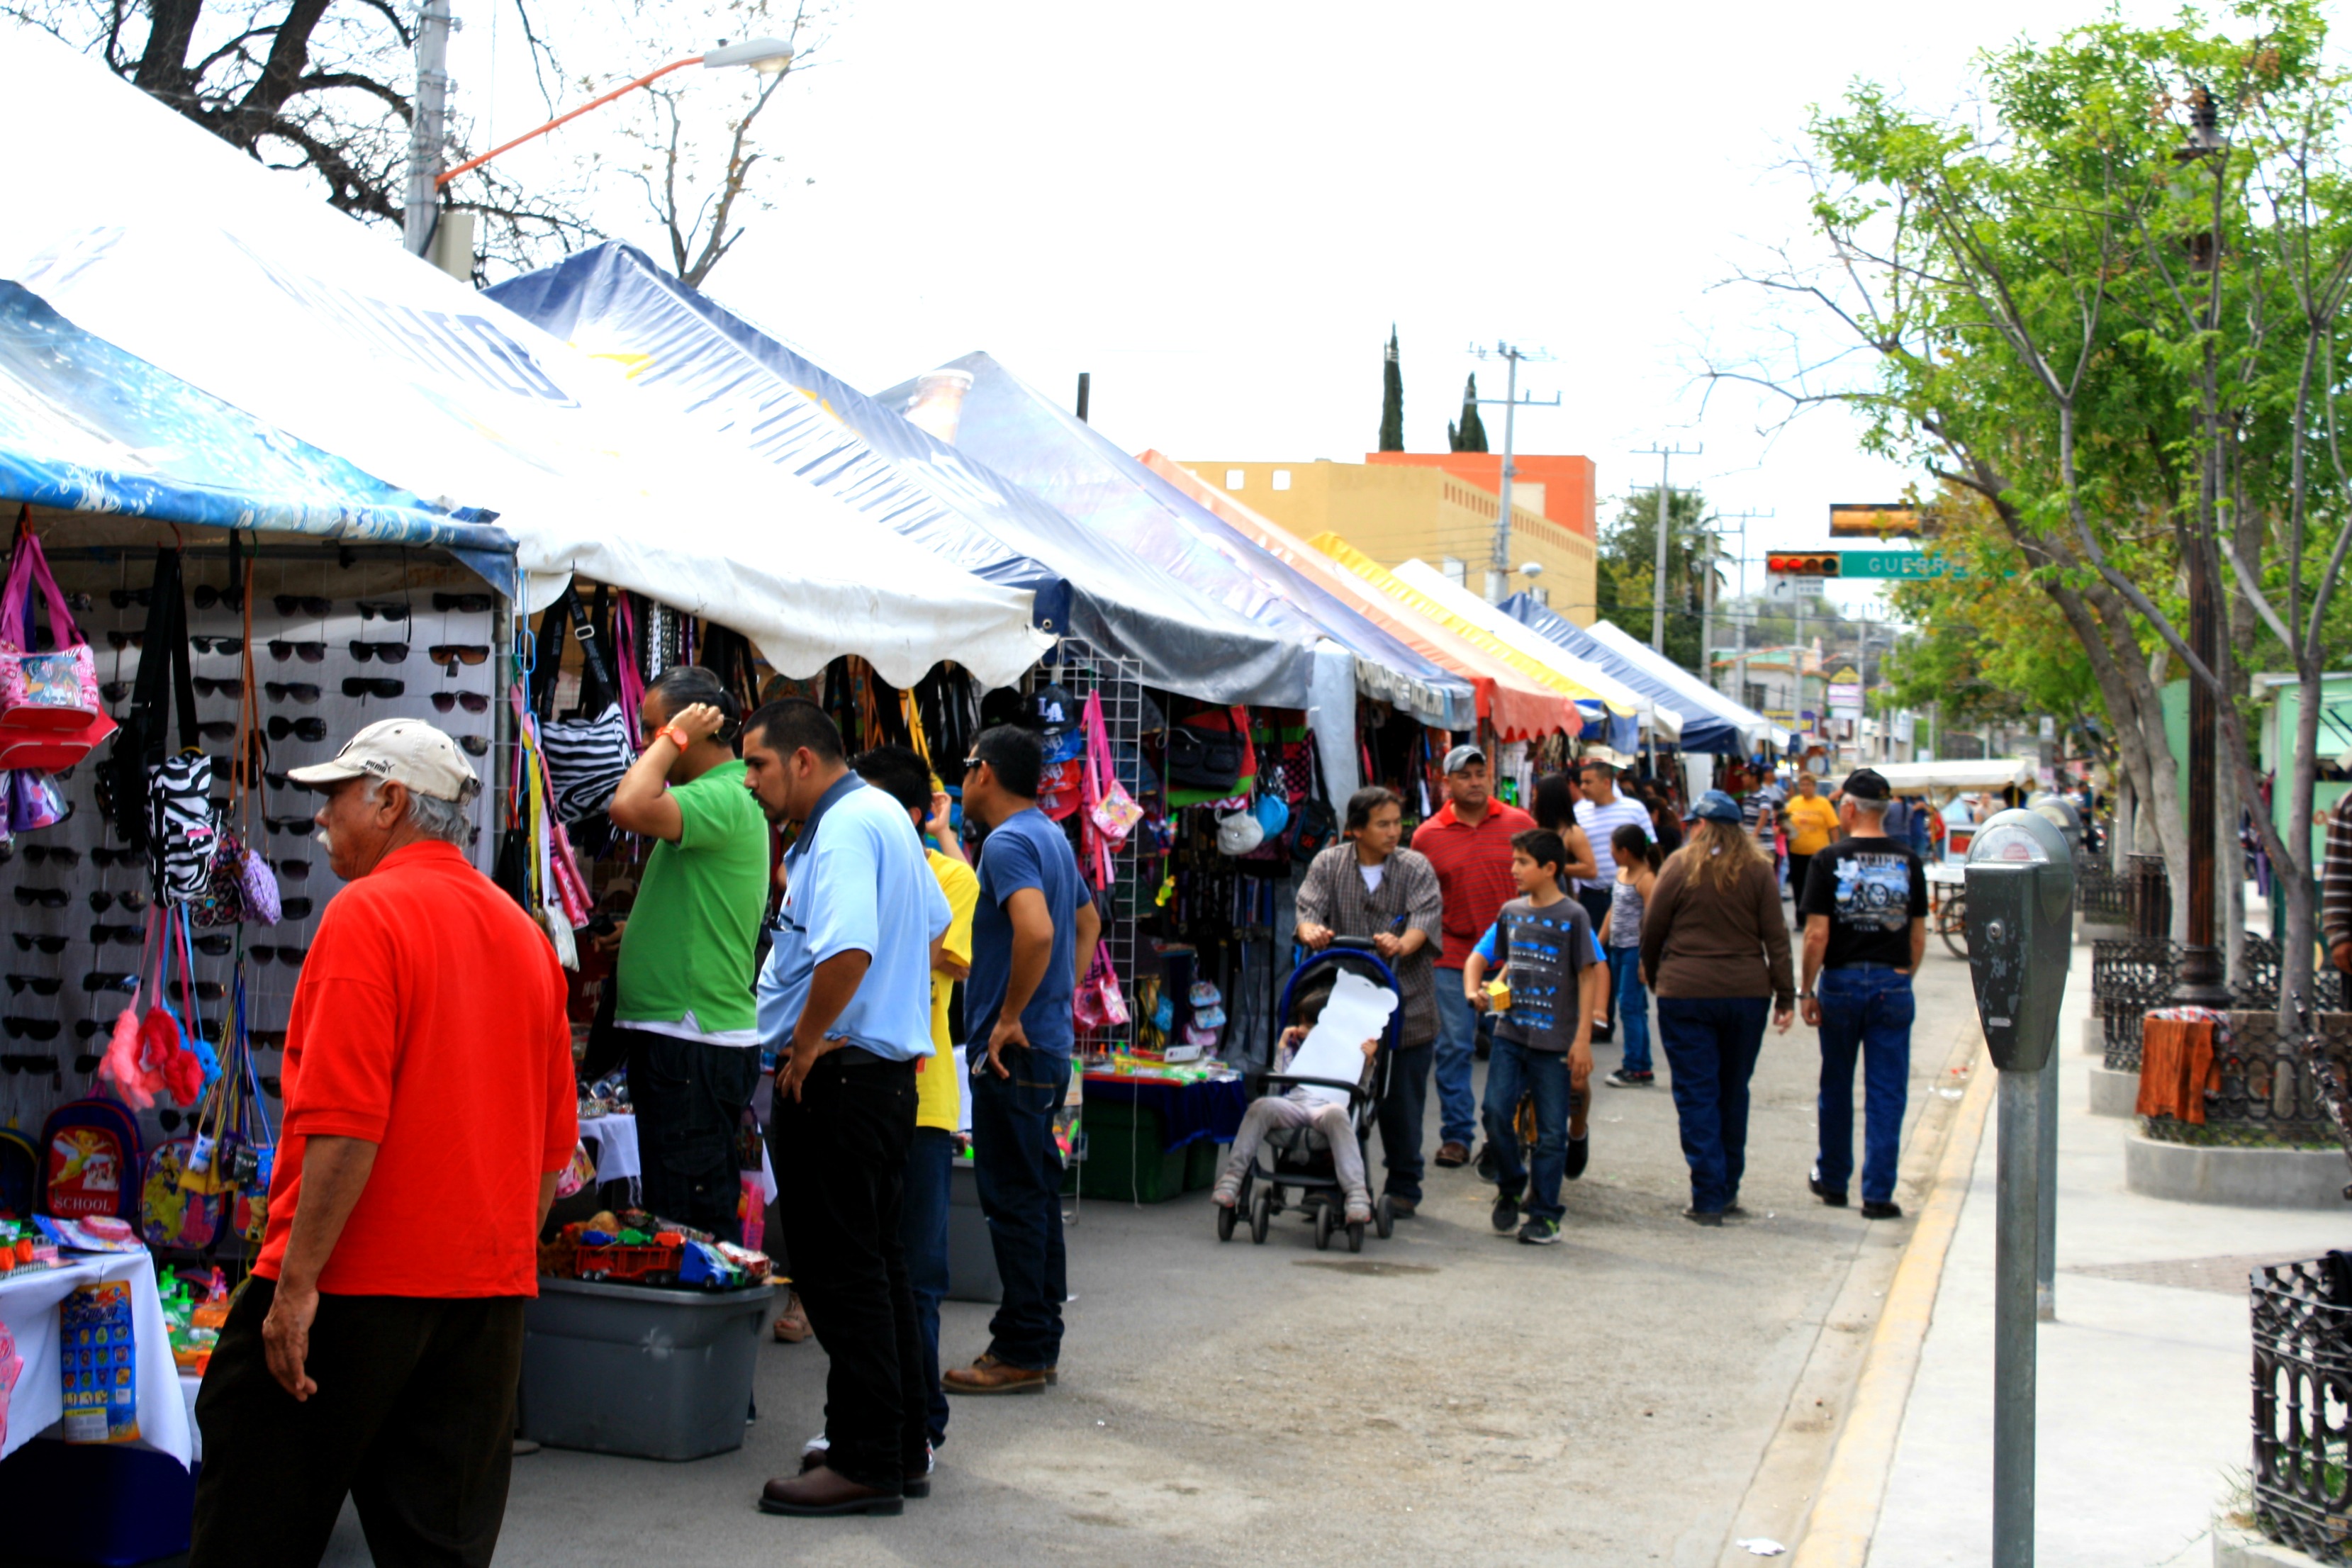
(2131, 974)
(2303, 1407)
(2102, 896)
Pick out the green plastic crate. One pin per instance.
(1128, 1158)
(1203, 1157)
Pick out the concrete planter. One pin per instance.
(2238, 1178)
(2236, 1548)
(2113, 1093)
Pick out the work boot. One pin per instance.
(989, 1375)
(826, 1491)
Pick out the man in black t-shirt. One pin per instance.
(1864, 904)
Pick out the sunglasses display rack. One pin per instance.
(74, 899)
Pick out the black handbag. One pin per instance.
(1201, 759)
(1313, 824)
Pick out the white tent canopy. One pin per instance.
(1991, 772)
(1754, 725)
(140, 228)
(1460, 600)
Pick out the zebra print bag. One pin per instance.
(585, 756)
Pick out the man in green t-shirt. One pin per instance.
(688, 949)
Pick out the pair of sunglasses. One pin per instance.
(123, 598)
(21, 1028)
(47, 898)
(458, 652)
(100, 934)
(382, 610)
(471, 603)
(472, 702)
(219, 685)
(292, 870)
(27, 942)
(206, 596)
(218, 645)
(99, 980)
(269, 1040)
(34, 1064)
(212, 946)
(389, 652)
(299, 690)
(307, 652)
(132, 900)
(39, 985)
(115, 857)
(288, 824)
(118, 641)
(218, 729)
(372, 686)
(281, 726)
(475, 745)
(115, 690)
(86, 1062)
(54, 853)
(291, 957)
(84, 1027)
(303, 603)
(294, 909)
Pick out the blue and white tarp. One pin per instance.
(1033, 440)
(1711, 721)
(719, 372)
(146, 231)
(87, 427)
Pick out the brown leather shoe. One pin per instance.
(826, 1491)
(1453, 1155)
(792, 1323)
(989, 1375)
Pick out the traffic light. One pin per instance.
(1824, 563)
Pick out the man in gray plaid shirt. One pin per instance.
(1364, 886)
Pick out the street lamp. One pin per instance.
(769, 57)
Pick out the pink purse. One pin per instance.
(1098, 1003)
(50, 712)
(1112, 809)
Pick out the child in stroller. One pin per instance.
(1314, 1130)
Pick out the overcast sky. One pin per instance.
(1219, 208)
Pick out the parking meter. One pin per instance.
(2021, 925)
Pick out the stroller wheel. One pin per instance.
(1383, 1217)
(1261, 1215)
(1226, 1217)
(1355, 1236)
(1323, 1228)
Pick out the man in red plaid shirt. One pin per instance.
(1468, 844)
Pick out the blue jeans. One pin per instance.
(923, 1228)
(1632, 1007)
(1512, 1071)
(1399, 1114)
(1019, 1171)
(1865, 1012)
(1458, 1026)
(1711, 1044)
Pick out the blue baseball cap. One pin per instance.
(1717, 807)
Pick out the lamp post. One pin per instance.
(769, 57)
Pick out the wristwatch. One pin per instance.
(676, 737)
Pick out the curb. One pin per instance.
(1846, 1516)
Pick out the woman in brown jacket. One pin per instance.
(1715, 951)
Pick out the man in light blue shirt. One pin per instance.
(846, 1002)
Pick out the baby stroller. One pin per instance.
(1298, 1160)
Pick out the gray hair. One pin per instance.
(446, 820)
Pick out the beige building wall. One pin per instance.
(1394, 514)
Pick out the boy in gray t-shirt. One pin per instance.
(1543, 1043)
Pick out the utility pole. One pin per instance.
(1498, 565)
(428, 130)
(1665, 456)
(1707, 623)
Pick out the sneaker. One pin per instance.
(1833, 1197)
(1506, 1212)
(1882, 1211)
(1227, 1192)
(1486, 1171)
(1579, 1150)
(1539, 1233)
(1620, 1079)
(792, 1323)
(1359, 1211)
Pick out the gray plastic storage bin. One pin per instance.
(972, 1255)
(655, 1375)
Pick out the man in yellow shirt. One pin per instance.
(899, 772)
(1812, 827)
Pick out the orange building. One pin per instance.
(1559, 488)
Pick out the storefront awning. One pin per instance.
(1742, 727)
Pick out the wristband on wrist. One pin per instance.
(676, 736)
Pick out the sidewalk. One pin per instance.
(2145, 1406)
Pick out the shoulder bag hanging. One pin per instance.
(586, 756)
(182, 825)
(241, 885)
(50, 712)
(1317, 825)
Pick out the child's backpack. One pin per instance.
(20, 1174)
(90, 1160)
(170, 1215)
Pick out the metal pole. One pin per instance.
(2015, 1244)
(2045, 1251)
(1086, 382)
(1500, 569)
(1706, 612)
(1658, 580)
(2202, 981)
(428, 131)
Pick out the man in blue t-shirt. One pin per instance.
(1032, 936)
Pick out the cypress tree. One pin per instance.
(1470, 436)
(1393, 398)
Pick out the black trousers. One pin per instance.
(689, 1099)
(840, 1153)
(414, 1419)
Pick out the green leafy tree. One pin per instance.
(1626, 571)
(1392, 398)
(1470, 436)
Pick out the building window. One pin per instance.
(1282, 478)
(1455, 572)
(1234, 478)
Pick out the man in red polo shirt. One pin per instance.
(429, 1104)
(1468, 842)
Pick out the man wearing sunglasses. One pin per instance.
(688, 949)
(375, 1351)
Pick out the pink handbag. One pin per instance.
(1112, 809)
(1098, 1003)
(42, 693)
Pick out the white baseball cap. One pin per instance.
(405, 751)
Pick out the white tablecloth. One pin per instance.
(29, 1305)
(617, 1159)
